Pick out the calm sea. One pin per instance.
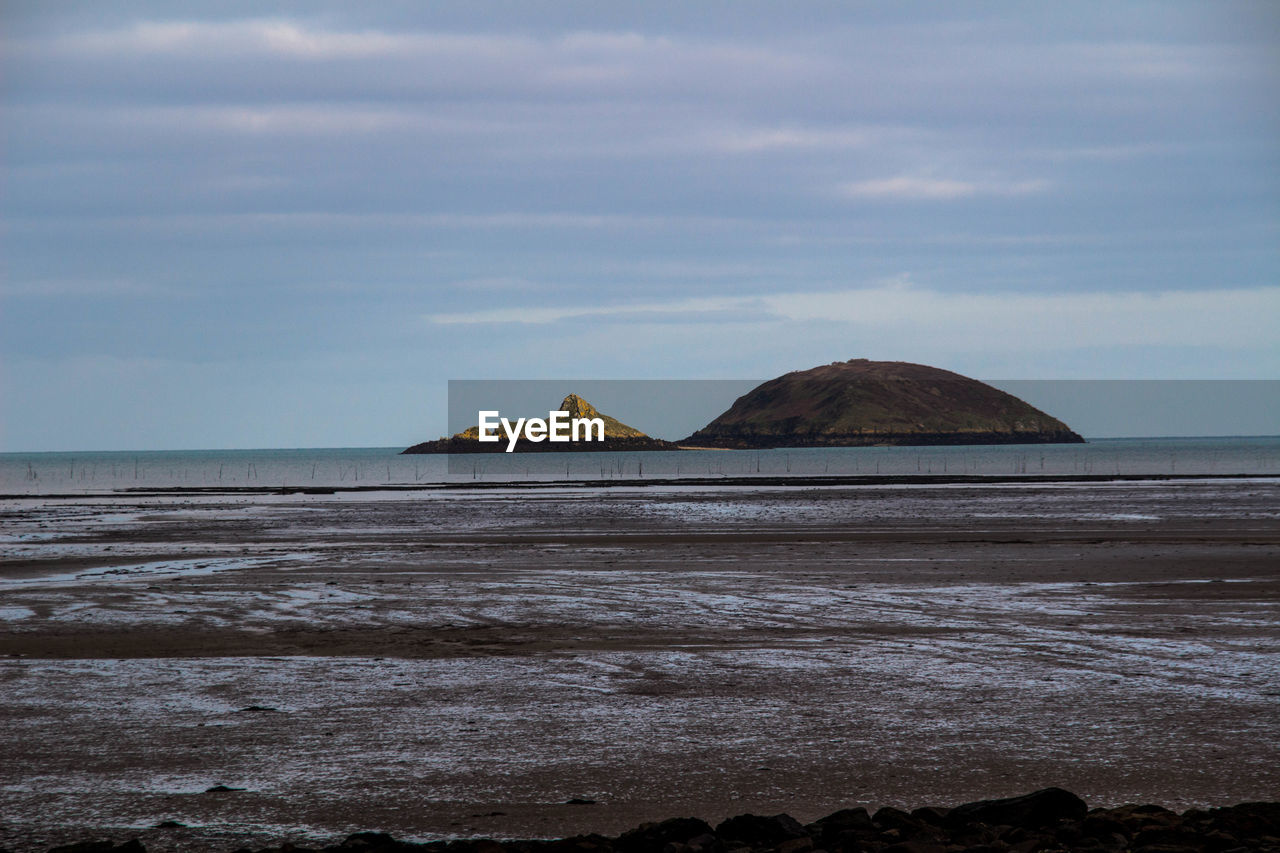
(106, 472)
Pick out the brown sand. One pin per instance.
(461, 664)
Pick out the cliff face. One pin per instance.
(613, 428)
(617, 437)
(861, 402)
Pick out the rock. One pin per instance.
(655, 836)
(618, 437)
(916, 846)
(760, 831)
(578, 844)
(889, 818)
(795, 845)
(931, 815)
(839, 830)
(221, 789)
(1048, 821)
(1247, 819)
(1101, 824)
(859, 402)
(1166, 835)
(1038, 809)
(369, 841)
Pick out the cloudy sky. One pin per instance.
(255, 225)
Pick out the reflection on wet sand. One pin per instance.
(436, 667)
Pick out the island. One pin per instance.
(860, 403)
(617, 437)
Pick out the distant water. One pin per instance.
(106, 472)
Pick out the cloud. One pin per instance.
(574, 59)
(909, 188)
(263, 36)
(1053, 177)
(1231, 318)
(752, 140)
(678, 311)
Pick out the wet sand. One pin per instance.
(440, 664)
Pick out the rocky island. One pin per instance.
(860, 402)
(617, 437)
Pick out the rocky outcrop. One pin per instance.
(1041, 822)
(859, 402)
(617, 437)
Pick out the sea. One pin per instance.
(108, 472)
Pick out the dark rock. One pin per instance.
(891, 818)
(655, 836)
(466, 845)
(795, 845)
(760, 831)
(1035, 844)
(1038, 809)
(577, 844)
(369, 841)
(1217, 841)
(1247, 819)
(1068, 832)
(579, 801)
(931, 815)
(221, 789)
(1152, 808)
(834, 829)
(916, 846)
(169, 824)
(1100, 824)
(1115, 841)
(1167, 835)
(1050, 821)
(850, 841)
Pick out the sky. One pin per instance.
(289, 225)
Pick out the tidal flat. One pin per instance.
(545, 662)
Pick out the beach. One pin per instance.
(463, 662)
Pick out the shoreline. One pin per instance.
(1051, 819)
(800, 481)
